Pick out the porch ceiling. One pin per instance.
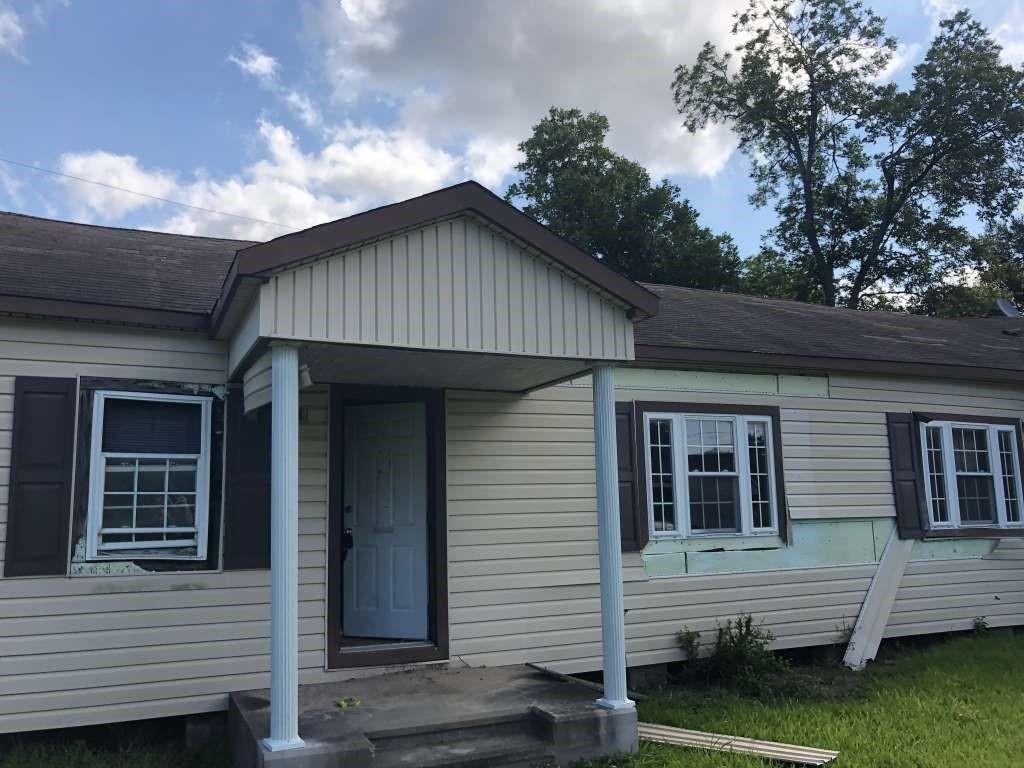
(383, 366)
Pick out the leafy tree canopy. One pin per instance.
(607, 205)
(870, 181)
(999, 256)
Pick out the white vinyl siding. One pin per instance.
(523, 537)
(97, 649)
(948, 595)
(455, 285)
(522, 533)
(523, 567)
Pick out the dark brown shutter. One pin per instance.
(42, 453)
(632, 516)
(907, 483)
(247, 487)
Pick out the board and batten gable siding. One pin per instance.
(454, 285)
(523, 538)
(95, 649)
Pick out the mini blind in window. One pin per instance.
(139, 426)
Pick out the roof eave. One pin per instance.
(106, 313)
(665, 354)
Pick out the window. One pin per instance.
(973, 474)
(710, 474)
(149, 476)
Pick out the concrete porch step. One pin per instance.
(507, 717)
(510, 742)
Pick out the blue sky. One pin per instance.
(296, 113)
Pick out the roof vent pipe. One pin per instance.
(1006, 308)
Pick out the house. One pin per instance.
(437, 432)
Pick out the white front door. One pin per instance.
(385, 572)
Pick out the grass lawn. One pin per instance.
(955, 702)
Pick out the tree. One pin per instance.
(607, 205)
(869, 181)
(952, 300)
(999, 258)
(772, 273)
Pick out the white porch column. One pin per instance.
(613, 631)
(284, 551)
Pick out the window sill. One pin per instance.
(117, 568)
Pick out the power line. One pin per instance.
(142, 194)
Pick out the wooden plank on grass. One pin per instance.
(785, 753)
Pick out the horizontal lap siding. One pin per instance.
(84, 650)
(948, 595)
(836, 449)
(524, 583)
(523, 530)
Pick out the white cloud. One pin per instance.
(93, 201)
(488, 71)
(11, 187)
(357, 168)
(489, 161)
(1009, 33)
(1004, 19)
(12, 32)
(462, 85)
(904, 55)
(303, 108)
(255, 62)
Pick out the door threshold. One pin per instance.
(397, 645)
(388, 654)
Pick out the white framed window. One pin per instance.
(149, 476)
(972, 474)
(710, 474)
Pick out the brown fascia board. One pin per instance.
(264, 258)
(655, 354)
(107, 313)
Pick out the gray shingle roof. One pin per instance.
(43, 259)
(59, 260)
(691, 319)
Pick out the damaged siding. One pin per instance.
(523, 536)
(94, 649)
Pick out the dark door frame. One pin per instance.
(343, 395)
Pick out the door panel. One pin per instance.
(385, 573)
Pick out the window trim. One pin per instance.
(97, 474)
(771, 414)
(992, 426)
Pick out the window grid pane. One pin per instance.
(1009, 470)
(936, 475)
(710, 445)
(760, 482)
(970, 450)
(149, 501)
(714, 503)
(713, 482)
(974, 482)
(662, 489)
(977, 498)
